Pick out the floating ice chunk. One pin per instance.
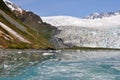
(5, 66)
(47, 54)
(19, 52)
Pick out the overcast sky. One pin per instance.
(76, 8)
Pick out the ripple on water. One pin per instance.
(63, 65)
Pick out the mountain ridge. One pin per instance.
(15, 34)
(102, 15)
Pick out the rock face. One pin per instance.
(104, 33)
(27, 17)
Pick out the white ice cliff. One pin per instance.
(81, 32)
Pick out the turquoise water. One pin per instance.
(60, 65)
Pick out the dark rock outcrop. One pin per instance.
(29, 17)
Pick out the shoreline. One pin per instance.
(73, 48)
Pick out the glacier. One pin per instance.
(103, 33)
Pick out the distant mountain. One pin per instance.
(16, 34)
(99, 32)
(102, 15)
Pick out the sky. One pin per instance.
(75, 8)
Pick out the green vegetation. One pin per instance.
(4, 7)
(91, 48)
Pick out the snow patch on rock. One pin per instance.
(13, 6)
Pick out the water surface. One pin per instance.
(60, 65)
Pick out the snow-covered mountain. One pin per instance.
(102, 15)
(13, 6)
(81, 32)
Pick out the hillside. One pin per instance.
(32, 20)
(16, 34)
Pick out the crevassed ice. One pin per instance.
(103, 32)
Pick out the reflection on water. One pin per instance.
(60, 65)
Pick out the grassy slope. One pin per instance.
(37, 40)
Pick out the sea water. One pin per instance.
(60, 65)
